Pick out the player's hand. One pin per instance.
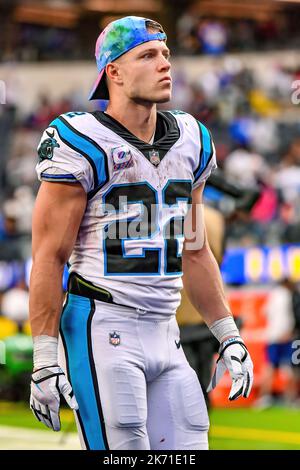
(46, 386)
(234, 357)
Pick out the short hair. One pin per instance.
(153, 26)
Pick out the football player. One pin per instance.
(121, 201)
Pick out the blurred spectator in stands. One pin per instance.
(21, 165)
(9, 225)
(201, 108)
(187, 41)
(209, 82)
(279, 335)
(25, 199)
(7, 124)
(287, 181)
(15, 225)
(40, 117)
(287, 173)
(212, 35)
(15, 304)
(296, 310)
(198, 343)
(267, 33)
(265, 136)
(17, 212)
(245, 167)
(264, 215)
(182, 92)
(250, 170)
(24, 41)
(46, 111)
(242, 35)
(231, 99)
(266, 208)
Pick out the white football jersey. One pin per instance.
(130, 239)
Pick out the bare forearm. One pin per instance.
(46, 297)
(203, 284)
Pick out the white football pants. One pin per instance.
(131, 379)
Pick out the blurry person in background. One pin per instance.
(279, 335)
(286, 180)
(15, 225)
(9, 234)
(296, 343)
(245, 166)
(15, 304)
(250, 170)
(186, 31)
(8, 115)
(198, 342)
(212, 36)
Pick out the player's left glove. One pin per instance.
(47, 384)
(234, 357)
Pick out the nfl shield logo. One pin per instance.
(154, 157)
(114, 339)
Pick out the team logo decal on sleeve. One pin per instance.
(46, 148)
(114, 339)
(122, 157)
(154, 157)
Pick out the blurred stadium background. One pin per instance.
(236, 67)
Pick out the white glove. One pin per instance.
(233, 355)
(46, 386)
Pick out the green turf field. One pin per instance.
(19, 415)
(275, 428)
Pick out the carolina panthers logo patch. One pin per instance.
(46, 148)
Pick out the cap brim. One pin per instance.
(99, 90)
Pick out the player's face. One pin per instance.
(146, 73)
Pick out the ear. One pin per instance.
(113, 72)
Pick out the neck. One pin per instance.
(138, 118)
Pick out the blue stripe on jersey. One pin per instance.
(206, 152)
(68, 176)
(75, 328)
(85, 146)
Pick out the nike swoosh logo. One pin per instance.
(178, 344)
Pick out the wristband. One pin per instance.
(44, 351)
(224, 328)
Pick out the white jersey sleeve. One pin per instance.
(62, 157)
(207, 157)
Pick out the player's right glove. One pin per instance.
(234, 357)
(47, 384)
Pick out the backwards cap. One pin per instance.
(116, 39)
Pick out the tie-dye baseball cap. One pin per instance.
(116, 39)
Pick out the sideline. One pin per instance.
(13, 438)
